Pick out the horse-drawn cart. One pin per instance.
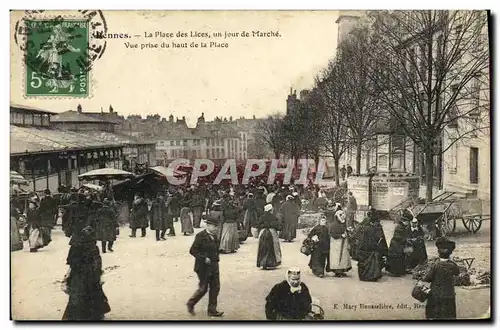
(443, 212)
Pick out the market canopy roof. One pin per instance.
(106, 174)
(36, 139)
(17, 178)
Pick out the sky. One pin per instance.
(252, 76)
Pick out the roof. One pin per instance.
(27, 109)
(37, 139)
(208, 130)
(178, 130)
(111, 117)
(115, 137)
(72, 116)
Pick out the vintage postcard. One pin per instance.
(250, 165)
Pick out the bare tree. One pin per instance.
(431, 72)
(334, 137)
(257, 149)
(313, 115)
(358, 96)
(293, 130)
(270, 130)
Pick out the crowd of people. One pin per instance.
(268, 213)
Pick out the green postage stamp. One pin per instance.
(56, 57)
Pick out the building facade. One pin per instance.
(464, 166)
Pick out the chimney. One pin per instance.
(291, 91)
(79, 108)
(111, 110)
(102, 111)
(184, 118)
(295, 92)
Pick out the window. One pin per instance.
(171, 143)
(208, 153)
(37, 120)
(452, 166)
(185, 142)
(177, 143)
(473, 164)
(398, 152)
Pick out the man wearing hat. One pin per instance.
(205, 250)
(441, 304)
(106, 226)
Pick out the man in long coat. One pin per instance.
(139, 216)
(160, 213)
(289, 215)
(107, 225)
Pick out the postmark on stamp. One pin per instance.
(59, 52)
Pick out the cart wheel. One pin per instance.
(448, 224)
(340, 196)
(473, 224)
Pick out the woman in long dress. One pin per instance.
(396, 259)
(87, 301)
(340, 259)
(418, 254)
(230, 239)
(260, 203)
(34, 225)
(216, 213)
(372, 248)
(289, 215)
(269, 251)
(250, 218)
(186, 221)
(320, 256)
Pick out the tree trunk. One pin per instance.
(358, 157)
(336, 162)
(316, 162)
(429, 175)
(276, 154)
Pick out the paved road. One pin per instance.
(149, 280)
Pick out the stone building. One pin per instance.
(465, 166)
